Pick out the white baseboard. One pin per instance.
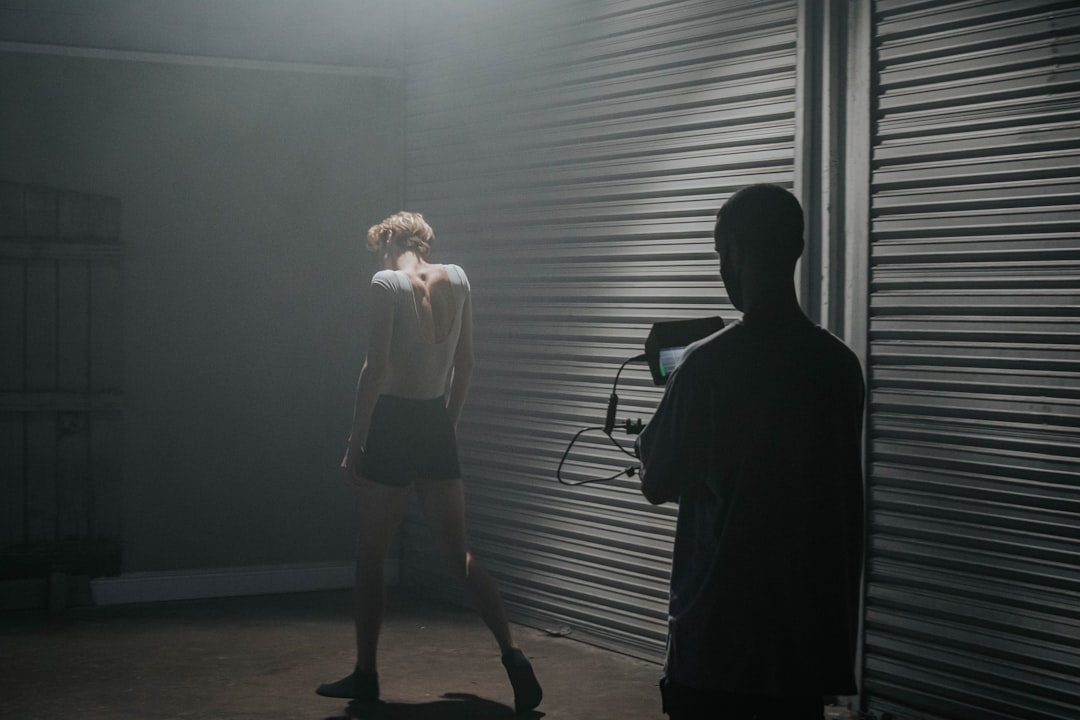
(143, 587)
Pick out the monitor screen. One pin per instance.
(669, 359)
(668, 340)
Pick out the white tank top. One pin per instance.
(420, 368)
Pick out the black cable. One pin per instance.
(628, 472)
(616, 444)
(608, 427)
(613, 401)
(613, 405)
(566, 452)
(636, 358)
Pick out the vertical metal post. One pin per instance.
(858, 129)
(808, 160)
(821, 149)
(833, 163)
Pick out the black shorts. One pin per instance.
(410, 440)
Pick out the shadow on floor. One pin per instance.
(453, 706)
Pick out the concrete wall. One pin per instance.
(245, 194)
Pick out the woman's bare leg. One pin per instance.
(380, 509)
(443, 505)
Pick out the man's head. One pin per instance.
(759, 233)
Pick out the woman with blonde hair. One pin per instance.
(408, 400)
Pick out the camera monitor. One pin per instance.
(667, 341)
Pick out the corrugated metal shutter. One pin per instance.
(571, 156)
(973, 606)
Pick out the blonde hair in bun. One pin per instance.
(405, 230)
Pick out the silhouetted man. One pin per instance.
(758, 438)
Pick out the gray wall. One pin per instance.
(245, 193)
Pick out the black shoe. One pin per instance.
(360, 685)
(527, 691)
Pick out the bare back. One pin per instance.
(433, 298)
(429, 303)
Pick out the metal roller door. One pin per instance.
(571, 156)
(973, 599)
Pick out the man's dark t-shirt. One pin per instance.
(759, 437)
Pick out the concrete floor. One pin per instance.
(262, 657)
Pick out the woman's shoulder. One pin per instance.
(456, 274)
(388, 279)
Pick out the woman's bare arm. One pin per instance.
(463, 365)
(372, 375)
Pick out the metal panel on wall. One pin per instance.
(973, 599)
(571, 156)
(60, 389)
